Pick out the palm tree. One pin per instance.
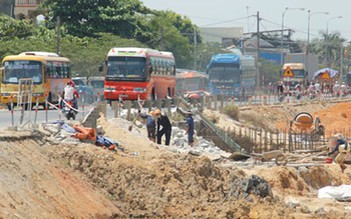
(329, 48)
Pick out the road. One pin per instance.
(51, 115)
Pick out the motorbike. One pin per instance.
(68, 110)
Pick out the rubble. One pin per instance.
(61, 132)
(179, 143)
(242, 188)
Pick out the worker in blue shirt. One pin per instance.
(190, 128)
(150, 125)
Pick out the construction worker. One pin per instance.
(190, 128)
(150, 125)
(340, 145)
(163, 120)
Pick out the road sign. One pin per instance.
(288, 73)
(325, 75)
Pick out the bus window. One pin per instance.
(65, 70)
(15, 70)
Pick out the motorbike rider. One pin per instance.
(71, 94)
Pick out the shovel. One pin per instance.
(130, 128)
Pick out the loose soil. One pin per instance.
(40, 180)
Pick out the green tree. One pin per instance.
(10, 28)
(328, 48)
(85, 53)
(167, 37)
(270, 71)
(205, 51)
(83, 18)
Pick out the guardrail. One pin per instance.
(224, 137)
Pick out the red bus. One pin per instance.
(139, 73)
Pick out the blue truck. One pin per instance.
(232, 75)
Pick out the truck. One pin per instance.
(232, 75)
(311, 62)
(293, 74)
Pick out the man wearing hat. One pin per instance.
(163, 121)
(340, 145)
(150, 125)
(190, 128)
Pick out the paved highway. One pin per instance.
(51, 115)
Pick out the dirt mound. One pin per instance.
(336, 118)
(302, 180)
(174, 185)
(35, 186)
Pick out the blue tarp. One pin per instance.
(331, 72)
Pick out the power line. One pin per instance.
(228, 21)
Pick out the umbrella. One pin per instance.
(194, 96)
(329, 71)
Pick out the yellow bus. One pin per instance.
(49, 73)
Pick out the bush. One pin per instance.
(232, 111)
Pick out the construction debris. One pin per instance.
(242, 188)
(61, 132)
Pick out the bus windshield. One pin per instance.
(18, 69)
(126, 68)
(224, 74)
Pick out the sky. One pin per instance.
(240, 13)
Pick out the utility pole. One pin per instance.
(195, 45)
(161, 39)
(58, 23)
(341, 61)
(258, 51)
